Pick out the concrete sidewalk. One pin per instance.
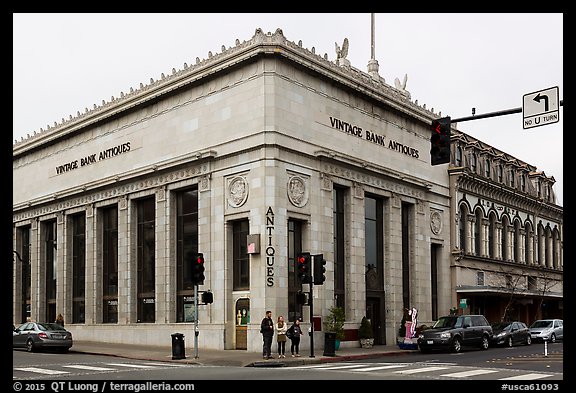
(231, 357)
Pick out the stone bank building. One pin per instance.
(251, 156)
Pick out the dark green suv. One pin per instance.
(453, 332)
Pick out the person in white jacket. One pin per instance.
(281, 327)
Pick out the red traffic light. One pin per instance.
(303, 260)
(198, 269)
(440, 141)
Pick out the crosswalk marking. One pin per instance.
(130, 365)
(321, 365)
(415, 368)
(343, 366)
(40, 370)
(46, 371)
(91, 368)
(469, 373)
(420, 370)
(374, 368)
(407, 369)
(166, 364)
(526, 377)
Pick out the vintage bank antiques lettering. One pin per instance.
(92, 158)
(372, 136)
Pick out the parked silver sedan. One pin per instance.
(36, 335)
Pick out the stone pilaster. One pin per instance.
(92, 278)
(126, 290)
(162, 261)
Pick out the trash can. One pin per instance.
(178, 351)
(329, 344)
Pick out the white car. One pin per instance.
(547, 330)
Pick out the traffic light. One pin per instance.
(440, 141)
(207, 297)
(197, 268)
(303, 267)
(319, 269)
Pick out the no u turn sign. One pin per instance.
(541, 108)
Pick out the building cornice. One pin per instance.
(261, 44)
(480, 186)
(464, 289)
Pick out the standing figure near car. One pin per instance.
(267, 330)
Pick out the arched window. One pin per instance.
(523, 183)
(555, 248)
(487, 168)
(528, 243)
(459, 156)
(462, 227)
(511, 177)
(505, 238)
(547, 246)
(516, 242)
(474, 162)
(500, 173)
(478, 233)
(540, 245)
(491, 234)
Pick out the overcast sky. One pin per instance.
(63, 63)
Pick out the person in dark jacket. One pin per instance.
(267, 330)
(294, 334)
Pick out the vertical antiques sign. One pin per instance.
(269, 248)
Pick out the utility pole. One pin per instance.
(196, 331)
(311, 303)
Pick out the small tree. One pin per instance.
(335, 322)
(365, 329)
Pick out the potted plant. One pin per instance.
(335, 323)
(365, 333)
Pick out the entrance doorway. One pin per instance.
(375, 314)
(242, 317)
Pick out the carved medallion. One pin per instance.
(435, 222)
(237, 191)
(297, 191)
